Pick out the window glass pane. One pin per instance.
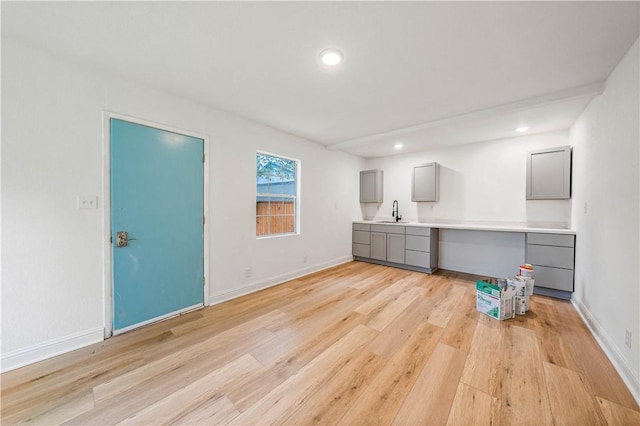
(276, 190)
(277, 224)
(262, 225)
(288, 188)
(289, 223)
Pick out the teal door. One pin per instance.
(157, 200)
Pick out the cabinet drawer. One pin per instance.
(418, 230)
(551, 239)
(417, 258)
(361, 227)
(558, 257)
(361, 250)
(418, 243)
(556, 278)
(361, 237)
(388, 229)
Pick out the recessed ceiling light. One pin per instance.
(522, 129)
(331, 57)
(398, 145)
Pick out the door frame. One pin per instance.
(107, 274)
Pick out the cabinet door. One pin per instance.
(425, 183)
(371, 186)
(549, 174)
(378, 246)
(395, 248)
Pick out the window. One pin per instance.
(277, 195)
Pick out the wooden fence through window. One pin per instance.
(275, 218)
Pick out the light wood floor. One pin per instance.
(355, 344)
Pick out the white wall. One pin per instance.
(481, 183)
(606, 140)
(53, 293)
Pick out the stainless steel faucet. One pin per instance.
(394, 211)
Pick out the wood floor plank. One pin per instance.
(617, 414)
(391, 339)
(64, 412)
(473, 407)
(524, 398)
(380, 300)
(223, 346)
(35, 398)
(592, 362)
(157, 387)
(387, 391)
(339, 393)
(551, 334)
(570, 398)
(484, 368)
(461, 327)
(234, 312)
(205, 390)
(248, 390)
(432, 395)
(216, 411)
(382, 275)
(447, 306)
(393, 308)
(285, 398)
(300, 329)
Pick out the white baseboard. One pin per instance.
(41, 351)
(619, 362)
(223, 296)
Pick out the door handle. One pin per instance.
(122, 239)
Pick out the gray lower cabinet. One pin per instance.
(361, 240)
(552, 257)
(421, 247)
(387, 243)
(408, 247)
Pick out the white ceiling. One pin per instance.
(429, 74)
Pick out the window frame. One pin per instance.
(296, 197)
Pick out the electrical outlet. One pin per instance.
(87, 202)
(247, 273)
(585, 208)
(627, 338)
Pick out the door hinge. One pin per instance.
(203, 220)
(203, 158)
(111, 239)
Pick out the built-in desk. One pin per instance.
(494, 250)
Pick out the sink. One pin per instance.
(389, 221)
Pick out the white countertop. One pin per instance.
(475, 227)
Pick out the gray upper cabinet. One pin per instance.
(371, 186)
(425, 182)
(549, 174)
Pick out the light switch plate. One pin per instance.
(87, 202)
